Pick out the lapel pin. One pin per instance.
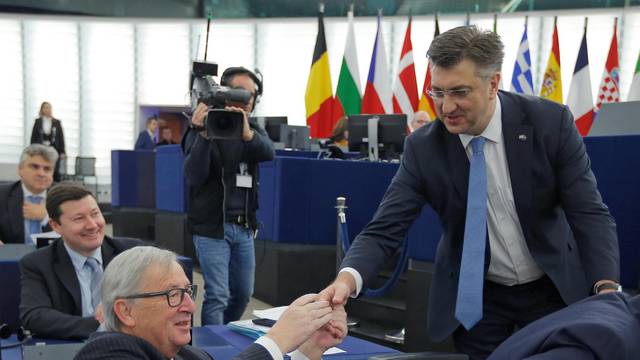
(522, 137)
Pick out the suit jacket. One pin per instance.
(114, 345)
(144, 142)
(50, 299)
(600, 327)
(57, 138)
(567, 228)
(11, 217)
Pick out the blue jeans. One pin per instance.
(228, 267)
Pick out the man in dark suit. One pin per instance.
(602, 327)
(47, 130)
(145, 138)
(60, 283)
(525, 231)
(166, 137)
(22, 209)
(148, 316)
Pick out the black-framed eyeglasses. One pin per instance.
(460, 93)
(174, 296)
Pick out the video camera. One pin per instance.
(219, 123)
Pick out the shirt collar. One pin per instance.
(26, 192)
(150, 133)
(78, 259)
(493, 131)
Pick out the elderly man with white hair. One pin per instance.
(148, 316)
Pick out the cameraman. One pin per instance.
(222, 175)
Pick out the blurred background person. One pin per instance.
(145, 138)
(340, 134)
(166, 137)
(47, 130)
(420, 118)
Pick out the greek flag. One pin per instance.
(521, 81)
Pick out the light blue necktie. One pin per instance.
(469, 302)
(33, 226)
(96, 277)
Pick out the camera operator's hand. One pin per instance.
(247, 133)
(197, 118)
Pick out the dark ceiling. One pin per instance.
(288, 8)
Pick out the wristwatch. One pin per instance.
(607, 286)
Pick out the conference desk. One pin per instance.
(222, 344)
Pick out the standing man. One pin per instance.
(22, 204)
(47, 130)
(525, 231)
(145, 138)
(60, 289)
(223, 185)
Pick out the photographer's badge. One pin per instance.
(243, 179)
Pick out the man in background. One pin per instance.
(420, 119)
(166, 137)
(145, 138)
(60, 283)
(22, 204)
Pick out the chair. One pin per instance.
(86, 168)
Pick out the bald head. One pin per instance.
(419, 119)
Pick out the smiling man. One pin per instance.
(148, 306)
(61, 282)
(524, 229)
(22, 209)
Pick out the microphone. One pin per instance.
(23, 335)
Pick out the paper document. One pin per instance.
(271, 314)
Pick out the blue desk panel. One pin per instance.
(171, 190)
(133, 178)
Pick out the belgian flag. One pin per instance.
(319, 96)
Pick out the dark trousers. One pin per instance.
(505, 309)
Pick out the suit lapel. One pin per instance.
(67, 274)
(518, 142)
(16, 198)
(108, 251)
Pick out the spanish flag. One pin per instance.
(552, 81)
(426, 102)
(318, 98)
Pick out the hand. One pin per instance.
(98, 314)
(327, 336)
(247, 133)
(34, 211)
(302, 318)
(1, 242)
(339, 291)
(197, 118)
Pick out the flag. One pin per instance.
(377, 93)
(522, 81)
(609, 89)
(634, 90)
(552, 81)
(318, 98)
(348, 98)
(405, 91)
(426, 102)
(580, 99)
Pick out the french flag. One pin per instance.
(580, 99)
(377, 93)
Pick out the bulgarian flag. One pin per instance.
(609, 86)
(377, 93)
(426, 102)
(318, 98)
(580, 99)
(348, 98)
(552, 81)
(405, 91)
(634, 91)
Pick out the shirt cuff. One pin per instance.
(298, 355)
(271, 347)
(356, 275)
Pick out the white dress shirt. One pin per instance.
(46, 125)
(83, 274)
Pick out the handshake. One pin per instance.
(310, 325)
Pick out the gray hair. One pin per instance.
(483, 47)
(124, 277)
(47, 152)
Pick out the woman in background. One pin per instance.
(48, 131)
(340, 134)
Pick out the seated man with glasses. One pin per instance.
(148, 316)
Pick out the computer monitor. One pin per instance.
(272, 125)
(391, 132)
(295, 137)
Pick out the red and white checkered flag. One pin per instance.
(609, 87)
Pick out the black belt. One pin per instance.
(237, 219)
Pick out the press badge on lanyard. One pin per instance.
(243, 179)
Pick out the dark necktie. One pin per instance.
(470, 283)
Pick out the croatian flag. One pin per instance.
(377, 93)
(522, 81)
(580, 99)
